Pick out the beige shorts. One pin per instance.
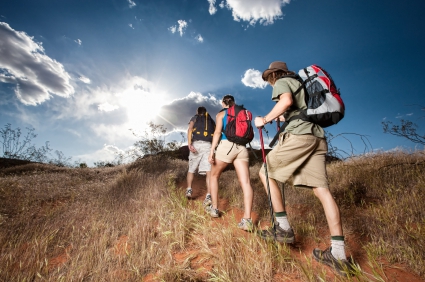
(199, 160)
(302, 156)
(228, 152)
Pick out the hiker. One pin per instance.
(199, 136)
(300, 152)
(227, 152)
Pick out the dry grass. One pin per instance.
(129, 223)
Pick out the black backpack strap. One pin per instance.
(253, 152)
(276, 137)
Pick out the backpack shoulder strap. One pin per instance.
(281, 129)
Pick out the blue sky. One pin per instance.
(83, 73)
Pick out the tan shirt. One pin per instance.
(297, 126)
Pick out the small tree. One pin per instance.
(151, 142)
(406, 129)
(338, 153)
(18, 146)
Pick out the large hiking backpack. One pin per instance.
(324, 104)
(239, 128)
(203, 128)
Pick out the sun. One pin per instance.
(142, 103)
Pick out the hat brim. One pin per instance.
(267, 72)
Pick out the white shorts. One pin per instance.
(199, 160)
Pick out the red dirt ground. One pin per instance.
(393, 272)
(300, 250)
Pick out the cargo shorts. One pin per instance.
(199, 160)
(300, 156)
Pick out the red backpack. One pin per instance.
(239, 128)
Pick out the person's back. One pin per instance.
(222, 153)
(199, 136)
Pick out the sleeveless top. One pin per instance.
(223, 136)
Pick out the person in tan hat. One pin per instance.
(300, 153)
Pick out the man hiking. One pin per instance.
(300, 152)
(199, 136)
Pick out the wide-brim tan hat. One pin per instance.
(275, 66)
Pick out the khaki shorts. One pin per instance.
(199, 160)
(302, 156)
(228, 152)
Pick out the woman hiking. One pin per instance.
(227, 152)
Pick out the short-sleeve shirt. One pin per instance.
(193, 118)
(297, 126)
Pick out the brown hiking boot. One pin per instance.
(342, 266)
(282, 236)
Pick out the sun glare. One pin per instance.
(142, 105)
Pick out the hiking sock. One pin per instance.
(338, 247)
(282, 219)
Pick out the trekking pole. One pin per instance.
(282, 191)
(267, 181)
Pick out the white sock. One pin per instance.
(188, 188)
(338, 249)
(283, 222)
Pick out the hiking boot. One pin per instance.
(342, 266)
(214, 212)
(189, 193)
(207, 201)
(282, 236)
(246, 224)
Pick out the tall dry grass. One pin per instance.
(132, 222)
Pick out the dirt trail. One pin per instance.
(300, 249)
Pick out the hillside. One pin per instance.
(133, 223)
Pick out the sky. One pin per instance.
(86, 74)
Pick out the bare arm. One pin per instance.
(217, 135)
(189, 137)
(285, 101)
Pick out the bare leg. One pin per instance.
(207, 179)
(276, 196)
(331, 210)
(216, 170)
(242, 170)
(189, 179)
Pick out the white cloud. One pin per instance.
(106, 107)
(212, 9)
(173, 29)
(252, 78)
(131, 3)
(263, 11)
(199, 38)
(35, 75)
(107, 153)
(78, 41)
(182, 25)
(84, 79)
